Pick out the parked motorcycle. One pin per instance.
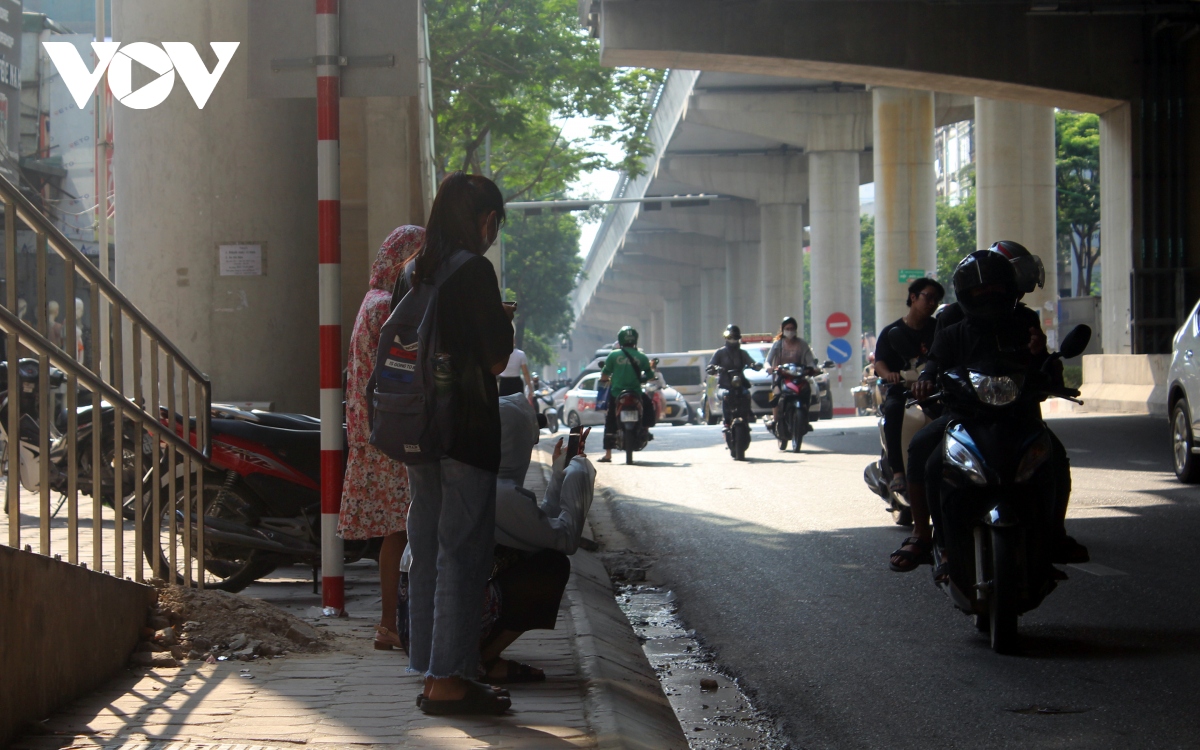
(735, 401)
(796, 387)
(28, 374)
(878, 474)
(543, 401)
(998, 492)
(262, 504)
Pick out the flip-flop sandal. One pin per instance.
(603, 460)
(479, 699)
(912, 560)
(515, 674)
(497, 690)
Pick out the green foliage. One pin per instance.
(807, 332)
(1072, 376)
(867, 238)
(1077, 177)
(956, 238)
(511, 68)
(541, 263)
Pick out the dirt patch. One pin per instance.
(216, 625)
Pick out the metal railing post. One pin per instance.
(72, 348)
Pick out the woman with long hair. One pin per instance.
(451, 523)
(375, 491)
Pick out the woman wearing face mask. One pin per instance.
(788, 348)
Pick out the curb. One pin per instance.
(626, 706)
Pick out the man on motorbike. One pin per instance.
(788, 348)
(923, 450)
(917, 326)
(730, 357)
(626, 368)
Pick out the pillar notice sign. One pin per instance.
(838, 325)
(909, 275)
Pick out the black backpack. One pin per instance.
(411, 389)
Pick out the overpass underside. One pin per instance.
(799, 102)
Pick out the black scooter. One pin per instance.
(735, 405)
(997, 498)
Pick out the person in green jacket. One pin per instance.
(625, 369)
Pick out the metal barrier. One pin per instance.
(120, 443)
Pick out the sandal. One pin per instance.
(604, 460)
(910, 559)
(516, 673)
(386, 640)
(479, 699)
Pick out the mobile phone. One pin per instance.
(573, 443)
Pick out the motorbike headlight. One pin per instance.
(961, 457)
(1035, 455)
(995, 391)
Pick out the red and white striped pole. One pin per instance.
(329, 254)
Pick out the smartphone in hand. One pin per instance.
(573, 443)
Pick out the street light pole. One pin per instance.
(329, 257)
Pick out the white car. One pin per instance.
(579, 406)
(1183, 380)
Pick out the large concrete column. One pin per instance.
(713, 314)
(673, 324)
(836, 261)
(742, 285)
(692, 319)
(905, 218)
(656, 330)
(781, 263)
(1116, 217)
(1014, 189)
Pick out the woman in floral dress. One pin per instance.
(375, 494)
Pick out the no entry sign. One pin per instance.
(838, 324)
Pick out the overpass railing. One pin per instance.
(75, 346)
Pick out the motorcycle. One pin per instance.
(796, 387)
(261, 496)
(878, 474)
(998, 492)
(735, 401)
(29, 438)
(543, 401)
(868, 395)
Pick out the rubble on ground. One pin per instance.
(215, 626)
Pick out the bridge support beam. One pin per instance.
(1015, 189)
(692, 319)
(713, 314)
(905, 219)
(673, 323)
(836, 261)
(742, 290)
(781, 266)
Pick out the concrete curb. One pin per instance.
(626, 706)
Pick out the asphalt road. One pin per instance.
(780, 565)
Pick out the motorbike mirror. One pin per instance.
(902, 344)
(829, 364)
(1075, 342)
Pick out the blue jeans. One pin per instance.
(451, 530)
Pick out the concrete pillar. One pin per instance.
(713, 315)
(1014, 190)
(742, 285)
(656, 330)
(1116, 217)
(905, 218)
(781, 263)
(241, 170)
(692, 319)
(673, 324)
(836, 261)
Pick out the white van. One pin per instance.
(684, 371)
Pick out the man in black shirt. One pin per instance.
(917, 326)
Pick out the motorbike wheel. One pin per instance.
(630, 441)
(552, 422)
(741, 440)
(226, 567)
(1002, 601)
(573, 420)
(797, 431)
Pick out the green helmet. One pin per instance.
(627, 336)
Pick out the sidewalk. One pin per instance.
(600, 692)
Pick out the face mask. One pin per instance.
(788, 333)
(733, 343)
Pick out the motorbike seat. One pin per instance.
(300, 448)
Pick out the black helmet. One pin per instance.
(789, 319)
(627, 336)
(733, 332)
(1031, 274)
(986, 285)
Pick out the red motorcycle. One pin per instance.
(262, 501)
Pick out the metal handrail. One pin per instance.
(171, 441)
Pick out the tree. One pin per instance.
(955, 237)
(508, 69)
(542, 265)
(867, 238)
(1077, 179)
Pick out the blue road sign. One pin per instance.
(839, 351)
